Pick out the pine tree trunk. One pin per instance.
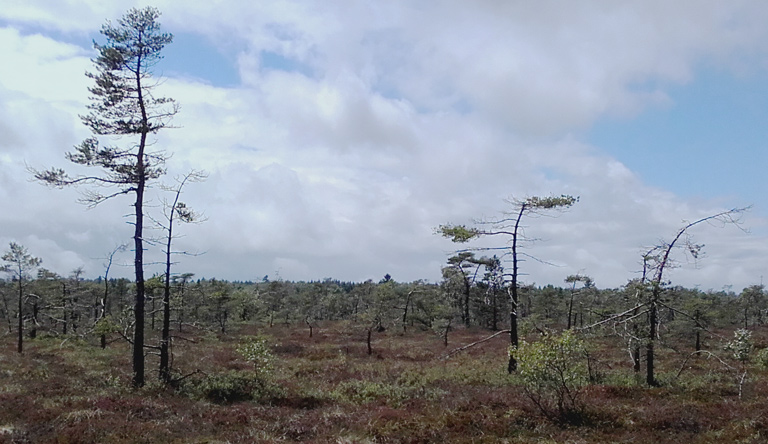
(20, 345)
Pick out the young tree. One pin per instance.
(181, 282)
(19, 264)
(76, 291)
(510, 225)
(124, 105)
(494, 283)
(6, 307)
(458, 278)
(104, 302)
(754, 302)
(176, 210)
(573, 280)
(378, 310)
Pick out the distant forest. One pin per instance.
(470, 295)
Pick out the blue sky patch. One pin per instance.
(715, 130)
(193, 55)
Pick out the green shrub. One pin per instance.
(232, 386)
(553, 371)
(762, 358)
(240, 385)
(105, 326)
(741, 346)
(256, 350)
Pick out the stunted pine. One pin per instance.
(509, 225)
(19, 264)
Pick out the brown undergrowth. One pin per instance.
(327, 389)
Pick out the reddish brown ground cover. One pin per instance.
(327, 389)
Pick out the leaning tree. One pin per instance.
(123, 104)
(651, 287)
(510, 225)
(656, 261)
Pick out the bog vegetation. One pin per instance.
(387, 361)
(480, 356)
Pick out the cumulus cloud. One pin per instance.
(358, 128)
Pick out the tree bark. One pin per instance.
(513, 338)
(20, 344)
(653, 323)
(138, 307)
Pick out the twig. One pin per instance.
(612, 317)
(699, 352)
(457, 350)
(185, 339)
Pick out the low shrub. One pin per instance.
(256, 350)
(232, 386)
(553, 372)
(364, 392)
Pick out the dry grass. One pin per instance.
(327, 389)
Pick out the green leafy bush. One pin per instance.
(553, 372)
(232, 386)
(241, 385)
(741, 346)
(762, 358)
(256, 350)
(105, 326)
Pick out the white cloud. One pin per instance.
(406, 116)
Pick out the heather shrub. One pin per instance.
(553, 372)
(364, 392)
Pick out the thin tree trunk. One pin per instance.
(138, 236)
(20, 345)
(513, 338)
(650, 378)
(138, 307)
(494, 309)
(636, 359)
(467, 290)
(35, 311)
(368, 341)
(405, 310)
(165, 368)
(7, 314)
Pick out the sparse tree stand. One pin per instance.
(123, 104)
(19, 264)
(510, 225)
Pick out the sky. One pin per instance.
(337, 135)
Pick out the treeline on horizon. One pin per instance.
(466, 296)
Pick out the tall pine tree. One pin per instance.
(123, 104)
